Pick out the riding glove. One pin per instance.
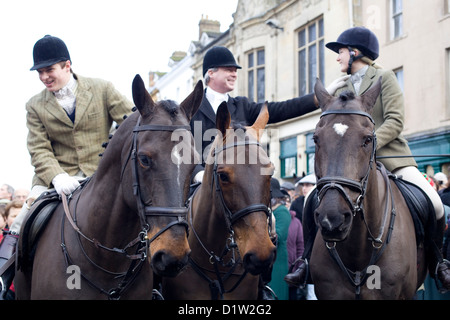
(64, 183)
(336, 84)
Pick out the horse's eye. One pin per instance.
(224, 177)
(144, 161)
(367, 141)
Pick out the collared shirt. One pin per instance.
(66, 96)
(215, 98)
(357, 78)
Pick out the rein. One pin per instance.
(141, 241)
(217, 286)
(359, 278)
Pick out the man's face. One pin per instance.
(55, 77)
(223, 79)
(4, 194)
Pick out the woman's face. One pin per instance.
(343, 59)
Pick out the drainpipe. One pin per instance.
(350, 13)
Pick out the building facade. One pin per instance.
(280, 45)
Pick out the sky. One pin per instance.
(109, 39)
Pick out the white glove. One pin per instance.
(336, 84)
(65, 184)
(199, 176)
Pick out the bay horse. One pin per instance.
(128, 220)
(229, 217)
(366, 247)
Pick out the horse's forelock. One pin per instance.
(170, 106)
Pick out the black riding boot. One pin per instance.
(299, 277)
(7, 249)
(442, 269)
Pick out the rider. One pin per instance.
(357, 50)
(67, 123)
(220, 75)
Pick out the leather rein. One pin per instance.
(359, 278)
(217, 286)
(141, 242)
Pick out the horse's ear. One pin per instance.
(370, 96)
(191, 104)
(322, 94)
(223, 118)
(141, 97)
(262, 120)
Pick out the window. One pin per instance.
(446, 6)
(396, 19)
(288, 157)
(310, 152)
(310, 52)
(256, 75)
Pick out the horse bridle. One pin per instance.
(142, 242)
(231, 218)
(335, 182)
(357, 279)
(145, 210)
(217, 286)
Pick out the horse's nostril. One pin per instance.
(165, 264)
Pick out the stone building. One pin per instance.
(280, 45)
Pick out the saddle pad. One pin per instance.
(420, 206)
(36, 220)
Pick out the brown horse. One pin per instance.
(367, 245)
(228, 217)
(128, 220)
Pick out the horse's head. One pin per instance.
(241, 172)
(161, 161)
(345, 149)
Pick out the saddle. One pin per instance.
(420, 207)
(35, 222)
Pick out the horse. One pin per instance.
(128, 219)
(366, 247)
(229, 217)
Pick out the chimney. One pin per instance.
(206, 25)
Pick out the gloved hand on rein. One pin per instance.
(64, 183)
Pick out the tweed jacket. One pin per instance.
(245, 111)
(56, 144)
(389, 115)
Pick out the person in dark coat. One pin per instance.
(220, 74)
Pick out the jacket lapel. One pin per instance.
(55, 109)
(84, 97)
(367, 80)
(206, 109)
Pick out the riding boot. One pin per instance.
(442, 270)
(7, 249)
(299, 277)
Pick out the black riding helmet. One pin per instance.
(48, 51)
(360, 38)
(218, 57)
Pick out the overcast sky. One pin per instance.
(109, 39)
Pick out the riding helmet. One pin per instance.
(218, 57)
(360, 38)
(48, 51)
